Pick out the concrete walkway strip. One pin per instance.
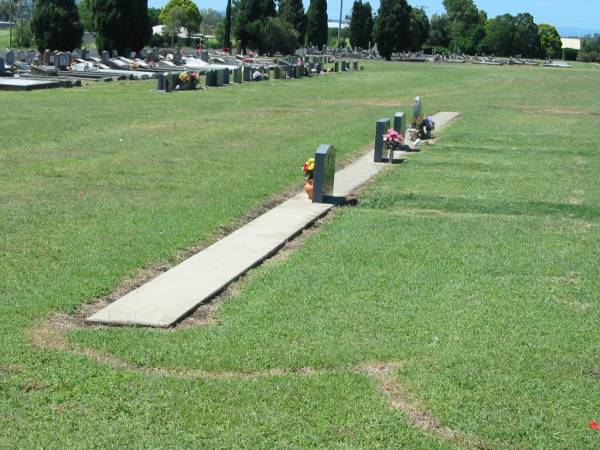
(171, 296)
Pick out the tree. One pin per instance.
(392, 27)
(527, 37)
(154, 14)
(439, 31)
(85, 15)
(227, 27)
(499, 36)
(292, 11)
(56, 25)
(187, 5)
(211, 20)
(250, 15)
(121, 25)
(278, 35)
(361, 24)
(419, 28)
(317, 29)
(550, 40)
(467, 25)
(590, 49)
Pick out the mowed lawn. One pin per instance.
(471, 269)
(4, 38)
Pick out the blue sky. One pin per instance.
(583, 14)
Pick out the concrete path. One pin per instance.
(171, 296)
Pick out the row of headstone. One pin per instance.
(383, 124)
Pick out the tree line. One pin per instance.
(463, 28)
(125, 25)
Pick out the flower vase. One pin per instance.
(308, 187)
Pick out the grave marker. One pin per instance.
(2, 65)
(155, 55)
(85, 54)
(247, 74)
(400, 122)
(9, 57)
(381, 126)
(169, 83)
(220, 77)
(46, 59)
(237, 75)
(162, 83)
(336, 66)
(105, 57)
(417, 110)
(211, 78)
(225, 76)
(324, 174)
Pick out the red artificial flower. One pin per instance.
(594, 425)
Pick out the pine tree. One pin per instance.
(316, 30)
(227, 27)
(121, 25)
(392, 27)
(292, 11)
(56, 25)
(356, 24)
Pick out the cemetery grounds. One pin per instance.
(456, 306)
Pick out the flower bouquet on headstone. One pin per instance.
(187, 81)
(308, 170)
(393, 141)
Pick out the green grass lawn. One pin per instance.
(4, 38)
(473, 266)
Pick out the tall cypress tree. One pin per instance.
(356, 24)
(392, 27)
(227, 27)
(121, 25)
(316, 30)
(292, 11)
(56, 25)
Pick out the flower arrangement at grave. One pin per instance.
(308, 170)
(393, 141)
(425, 126)
(187, 80)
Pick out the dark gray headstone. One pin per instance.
(2, 68)
(381, 126)
(162, 82)
(225, 76)
(169, 82)
(31, 56)
(177, 57)
(105, 57)
(21, 55)
(336, 66)
(10, 57)
(247, 74)
(220, 77)
(204, 56)
(211, 78)
(85, 54)
(115, 54)
(155, 55)
(237, 75)
(143, 53)
(324, 174)
(46, 60)
(400, 122)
